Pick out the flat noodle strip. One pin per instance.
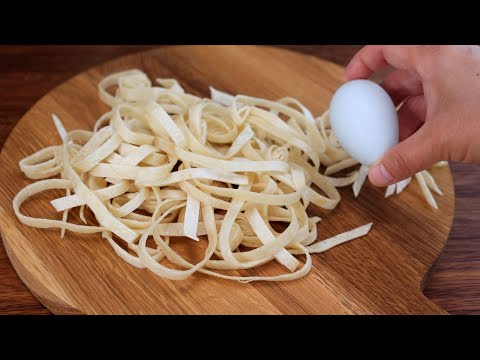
(362, 176)
(71, 201)
(42, 164)
(160, 121)
(430, 181)
(426, 191)
(191, 218)
(113, 80)
(234, 165)
(344, 164)
(62, 132)
(401, 185)
(390, 190)
(197, 173)
(39, 187)
(129, 136)
(162, 164)
(221, 97)
(327, 244)
(341, 182)
(98, 155)
(266, 236)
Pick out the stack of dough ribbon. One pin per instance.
(163, 163)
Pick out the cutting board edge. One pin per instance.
(53, 303)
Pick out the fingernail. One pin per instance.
(379, 176)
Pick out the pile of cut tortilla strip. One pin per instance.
(163, 164)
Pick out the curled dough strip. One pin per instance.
(39, 187)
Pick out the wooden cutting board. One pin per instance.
(381, 273)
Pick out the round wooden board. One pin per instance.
(377, 274)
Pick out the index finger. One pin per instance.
(373, 58)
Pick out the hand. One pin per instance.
(440, 118)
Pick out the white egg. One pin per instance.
(364, 120)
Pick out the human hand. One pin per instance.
(440, 118)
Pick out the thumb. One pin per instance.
(404, 160)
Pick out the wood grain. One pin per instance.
(28, 72)
(379, 274)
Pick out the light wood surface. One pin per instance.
(380, 273)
